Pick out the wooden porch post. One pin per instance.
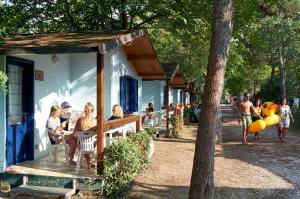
(100, 112)
(167, 102)
(138, 124)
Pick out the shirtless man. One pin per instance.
(245, 111)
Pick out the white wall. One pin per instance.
(83, 80)
(117, 60)
(152, 92)
(53, 90)
(2, 120)
(73, 79)
(176, 96)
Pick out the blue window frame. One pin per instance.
(128, 94)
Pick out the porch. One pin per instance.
(43, 172)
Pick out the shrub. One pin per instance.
(175, 122)
(296, 114)
(142, 140)
(188, 115)
(3, 80)
(123, 160)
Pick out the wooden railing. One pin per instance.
(107, 125)
(120, 126)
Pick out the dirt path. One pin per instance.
(262, 169)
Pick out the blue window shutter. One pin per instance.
(133, 95)
(123, 92)
(135, 87)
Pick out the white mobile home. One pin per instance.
(104, 68)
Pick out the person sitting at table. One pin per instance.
(148, 113)
(117, 112)
(86, 123)
(56, 132)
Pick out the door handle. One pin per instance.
(24, 117)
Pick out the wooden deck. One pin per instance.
(44, 167)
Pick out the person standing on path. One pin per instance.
(285, 113)
(256, 116)
(246, 107)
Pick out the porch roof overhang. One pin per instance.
(136, 44)
(174, 75)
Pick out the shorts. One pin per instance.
(284, 123)
(52, 141)
(246, 121)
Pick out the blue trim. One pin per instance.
(20, 137)
(128, 94)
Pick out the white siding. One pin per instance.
(187, 99)
(2, 120)
(117, 60)
(53, 90)
(176, 96)
(83, 80)
(73, 79)
(171, 100)
(152, 92)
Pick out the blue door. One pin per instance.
(19, 109)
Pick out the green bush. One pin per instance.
(122, 161)
(3, 80)
(175, 122)
(188, 115)
(296, 114)
(142, 139)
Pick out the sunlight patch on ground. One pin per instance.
(237, 174)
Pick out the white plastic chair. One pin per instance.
(86, 141)
(54, 150)
(150, 122)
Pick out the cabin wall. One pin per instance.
(117, 60)
(176, 96)
(2, 119)
(187, 98)
(83, 80)
(72, 79)
(152, 92)
(54, 89)
(171, 100)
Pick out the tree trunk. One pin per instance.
(202, 182)
(282, 73)
(272, 72)
(124, 18)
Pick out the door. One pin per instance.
(19, 109)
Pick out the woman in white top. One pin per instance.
(286, 115)
(86, 123)
(56, 132)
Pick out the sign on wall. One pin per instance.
(39, 75)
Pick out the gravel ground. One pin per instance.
(262, 169)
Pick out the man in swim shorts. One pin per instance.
(245, 112)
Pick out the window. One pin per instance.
(128, 94)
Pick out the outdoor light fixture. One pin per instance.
(54, 59)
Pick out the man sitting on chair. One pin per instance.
(149, 113)
(56, 132)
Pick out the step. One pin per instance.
(41, 192)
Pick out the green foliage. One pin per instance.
(188, 115)
(3, 80)
(123, 160)
(141, 139)
(175, 120)
(270, 89)
(296, 115)
(151, 131)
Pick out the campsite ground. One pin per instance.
(262, 169)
